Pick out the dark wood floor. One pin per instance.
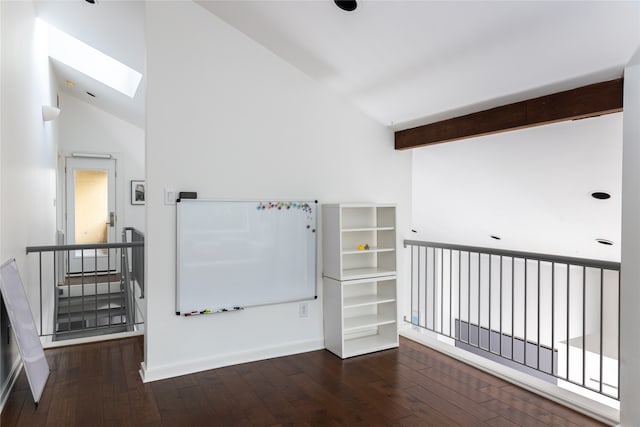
(98, 384)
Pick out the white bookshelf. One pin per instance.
(360, 289)
(348, 226)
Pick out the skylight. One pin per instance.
(90, 61)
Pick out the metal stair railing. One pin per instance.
(556, 318)
(85, 303)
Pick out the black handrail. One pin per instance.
(607, 265)
(81, 246)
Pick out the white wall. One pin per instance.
(531, 187)
(85, 128)
(630, 274)
(28, 150)
(229, 119)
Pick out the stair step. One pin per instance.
(90, 302)
(89, 315)
(66, 335)
(89, 289)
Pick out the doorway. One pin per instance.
(90, 212)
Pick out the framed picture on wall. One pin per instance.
(138, 190)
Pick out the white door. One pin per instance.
(91, 212)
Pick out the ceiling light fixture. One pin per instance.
(605, 242)
(348, 5)
(600, 195)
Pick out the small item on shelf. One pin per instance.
(366, 247)
(360, 247)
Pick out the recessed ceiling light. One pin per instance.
(348, 5)
(600, 195)
(91, 95)
(69, 83)
(604, 242)
(495, 237)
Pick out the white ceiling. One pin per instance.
(531, 187)
(412, 62)
(402, 62)
(115, 28)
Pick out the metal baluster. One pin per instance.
(584, 321)
(601, 323)
(525, 310)
(54, 278)
(479, 294)
(442, 291)
(419, 302)
(95, 279)
(433, 302)
(55, 294)
(538, 320)
(469, 298)
(500, 344)
(568, 319)
(553, 314)
(68, 277)
(490, 312)
(109, 287)
(460, 295)
(450, 289)
(412, 292)
(84, 325)
(513, 309)
(618, 363)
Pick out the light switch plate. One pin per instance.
(169, 196)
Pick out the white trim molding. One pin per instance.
(229, 359)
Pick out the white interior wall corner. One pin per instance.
(630, 270)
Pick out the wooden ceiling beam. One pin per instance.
(586, 101)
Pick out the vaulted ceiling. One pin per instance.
(407, 63)
(412, 62)
(404, 63)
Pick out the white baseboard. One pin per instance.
(10, 382)
(564, 397)
(219, 361)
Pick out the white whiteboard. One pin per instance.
(244, 253)
(24, 327)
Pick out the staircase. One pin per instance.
(90, 303)
(89, 309)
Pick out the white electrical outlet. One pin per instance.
(169, 197)
(303, 309)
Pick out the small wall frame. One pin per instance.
(138, 192)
